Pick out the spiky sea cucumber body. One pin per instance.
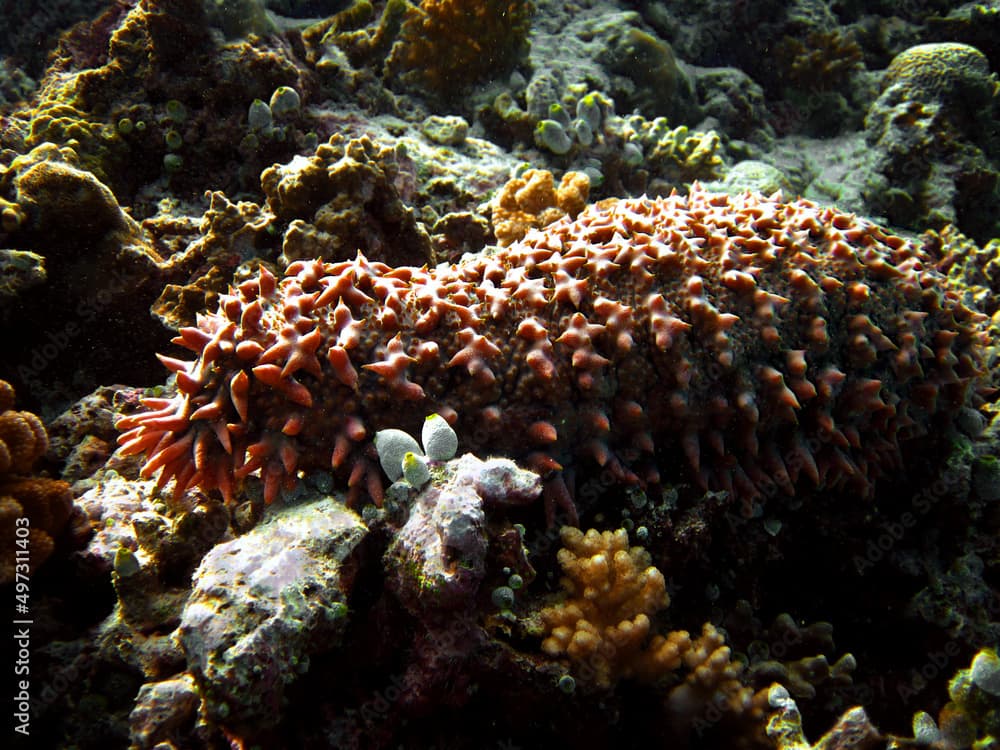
(752, 344)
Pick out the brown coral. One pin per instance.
(447, 45)
(532, 201)
(33, 510)
(344, 199)
(604, 627)
(22, 440)
(823, 61)
(604, 624)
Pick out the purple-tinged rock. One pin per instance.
(437, 559)
(264, 603)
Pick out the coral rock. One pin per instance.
(263, 603)
(442, 42)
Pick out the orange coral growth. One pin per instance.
(823, 61)
(33, 510)
(447, 45)
(604, 624)
(604, 627)
(532, 201)
(22, 435)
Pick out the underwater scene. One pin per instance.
(500, 375)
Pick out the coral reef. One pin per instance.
(853, 730)
(97, 260)
(930, 129)
(823, 60)
(780, 412)
(967, 720)
(619, 155)
(135, 103)
(833, 342)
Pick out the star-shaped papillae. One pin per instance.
(344, 371)
(249, 290)
(393, 369)
(532, 292)
(266, 282)
(303, 356)
(293, 390)
(642, 264)
(251, 317)
(428, 290)
(298, 307)
(617, 321)
(531, 329)
(476, 349)
(568, 288)
(539, 358)
(341, 287)
(496, 299)
(665, 326)
(348, 330)
(306, 272)
(580, 332)
(221, 343)
(601, 262)
(390, 292)
(231, 305)
(467, 314)
(558, 262)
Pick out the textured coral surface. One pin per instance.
(747, 343)
(445, 45)
(605, 623)
(33, 510)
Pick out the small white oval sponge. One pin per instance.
(440, 441)
(392, 446)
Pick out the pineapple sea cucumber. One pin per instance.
(744, 343)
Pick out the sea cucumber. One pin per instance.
(743, 343)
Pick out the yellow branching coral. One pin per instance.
(533, 201)
(604, 624)
(604, 627)
(713, 678)
(446, 45)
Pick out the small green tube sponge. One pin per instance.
(415, 470)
